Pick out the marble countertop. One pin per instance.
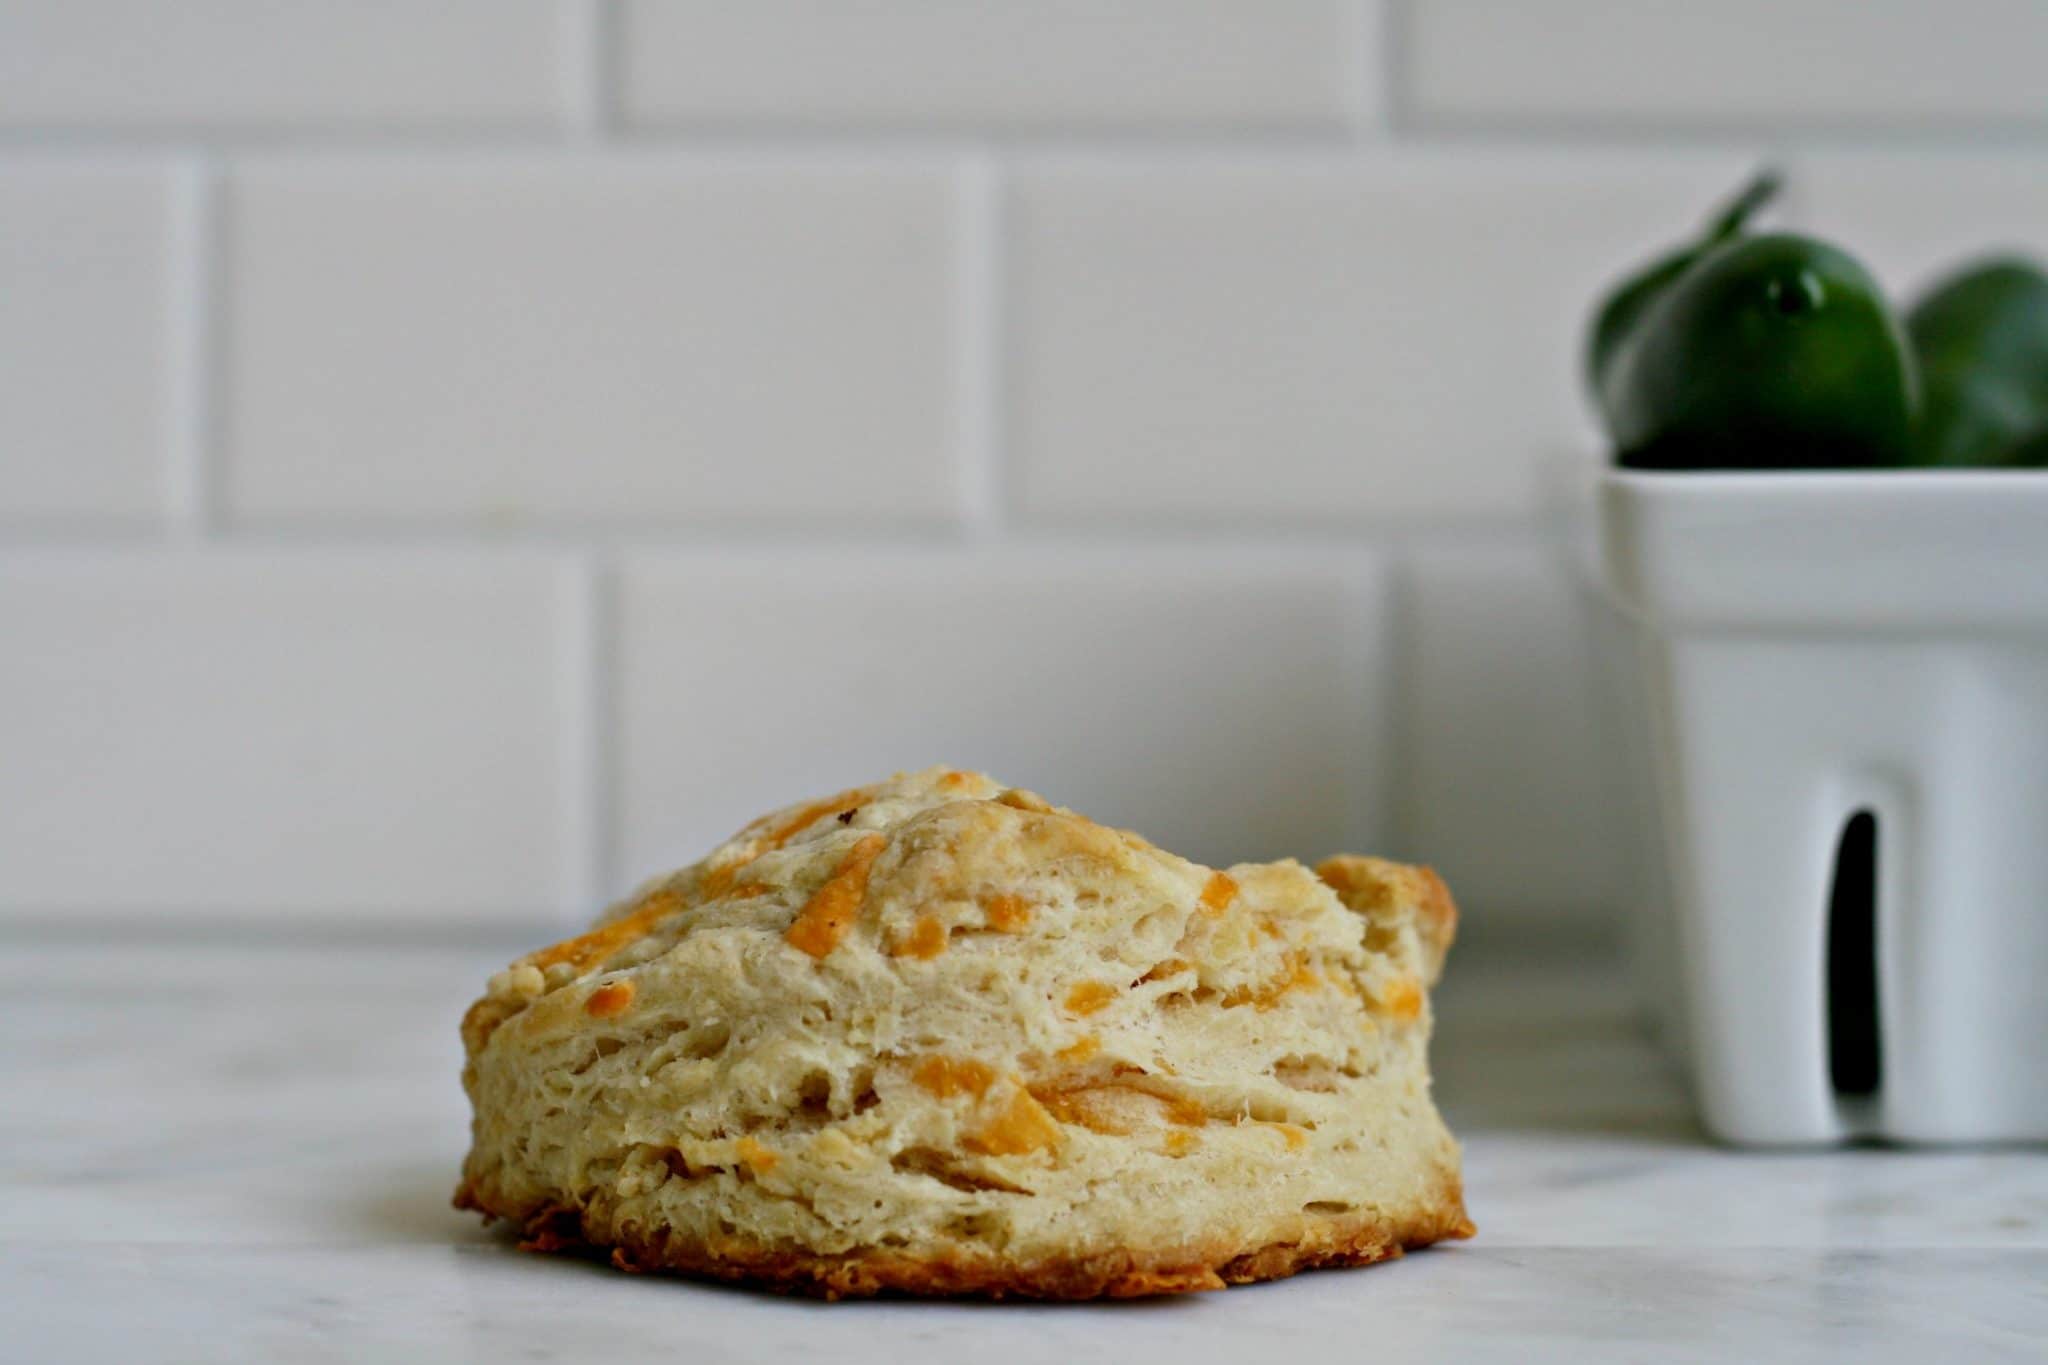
(224, 1153)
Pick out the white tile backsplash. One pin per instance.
(142, 65)
(635, 341)
(1227, 711)
(1511, 783)
(1912, 218)
(1359, 340)
(85, 341)
(997, 63)
(1626, 65)
(280, 735)
(457, 458)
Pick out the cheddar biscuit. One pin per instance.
(937, 1036)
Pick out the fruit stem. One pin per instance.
(1762, 188)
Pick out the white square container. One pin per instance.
(1791, 650)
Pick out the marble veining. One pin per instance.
(247, 1152)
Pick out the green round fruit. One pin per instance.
(1981, 340)
(1771, 352)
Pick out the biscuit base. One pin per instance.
(969, 1271)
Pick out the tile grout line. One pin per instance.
(707, 537)
(586, 99)
(1353, 577)
(978, 348)
(1404, 678)
(1366, 674)
(1368, 88)
(583, 668)
(1394, 68)
(589, 84)
(192, 380)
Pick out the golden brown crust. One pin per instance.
(935, 1036)
(1376, 887)
(968, 1271)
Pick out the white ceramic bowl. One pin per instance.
(1794, 650)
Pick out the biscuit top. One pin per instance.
(899, 876)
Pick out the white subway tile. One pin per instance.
(1053, 63)
(1511, 781)
(145, 65)
(85, 300)
(1227, 712)
(1372, 340)
(1913, 217)
(631, 340)
(278, 736)
(1733, 63)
